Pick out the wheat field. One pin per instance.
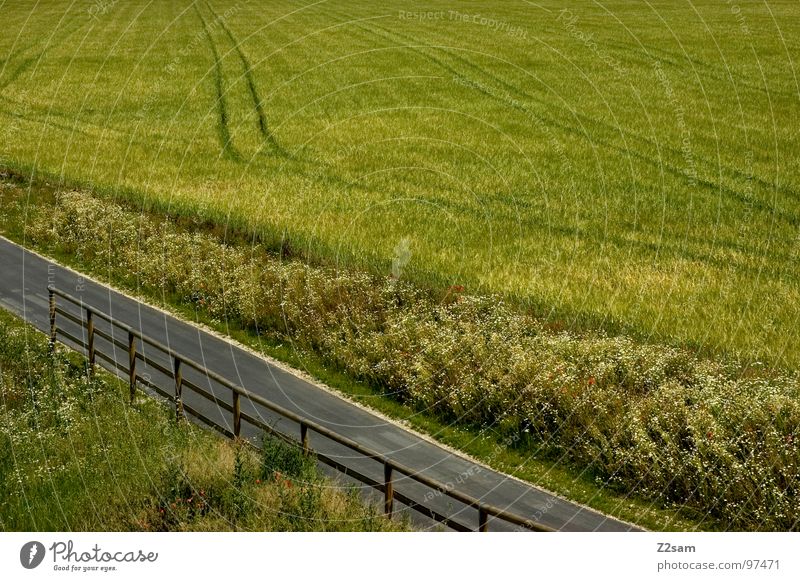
(628, 166)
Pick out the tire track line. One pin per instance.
(228, 148)
(263, 126)
(668, 57)
(26, 62)
(661, 164)
(657, 163)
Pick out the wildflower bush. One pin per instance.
(654, 420)
(74, 455)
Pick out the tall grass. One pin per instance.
(657, 421)
(75, 456)
(619, 164)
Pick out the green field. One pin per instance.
(620, 164)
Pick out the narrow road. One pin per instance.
(23, 290)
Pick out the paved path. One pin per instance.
(24, 277)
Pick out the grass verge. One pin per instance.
(74, 455)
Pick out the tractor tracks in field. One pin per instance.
(271, 145)
(223, 130)
(635, 52)
(28, 61)
(261, 118)
(517, 98)
(49, 119)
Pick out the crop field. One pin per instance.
(630, 165)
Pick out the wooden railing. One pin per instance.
(233, 406)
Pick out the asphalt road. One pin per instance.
(24, 278)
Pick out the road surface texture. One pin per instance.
(24, 278)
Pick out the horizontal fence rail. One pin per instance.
(134, 346)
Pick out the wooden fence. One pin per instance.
(232, 404)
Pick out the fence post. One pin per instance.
(132, 364)
(388, 489)
(237, 414)
(52, 302)
(304, 438)
(90, 333)
(483, 520)
(178, 389)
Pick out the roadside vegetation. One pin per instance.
(654, 421)
(74, 455)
